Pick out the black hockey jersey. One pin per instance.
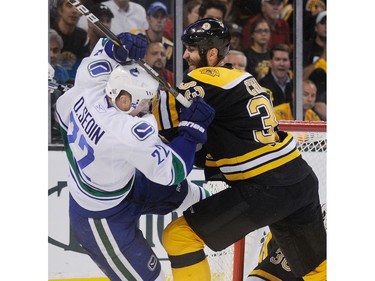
(243, 139)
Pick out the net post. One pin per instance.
(238, 260)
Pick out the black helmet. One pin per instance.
(206, 34)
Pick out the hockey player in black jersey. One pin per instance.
(272, 265)
(271, 184)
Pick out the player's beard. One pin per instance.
(193, 64)
(158, 66)
(202, 62)
(203, 58)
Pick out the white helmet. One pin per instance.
(133, 79)
(52, 84)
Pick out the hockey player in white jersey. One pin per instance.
(119, 167)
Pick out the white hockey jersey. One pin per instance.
(106, 146)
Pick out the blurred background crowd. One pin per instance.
(263, 43)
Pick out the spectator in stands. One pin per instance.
(309, 98)
(157, 15)
(257, 53)
(190, 15)
(237, 59)
(280, 33)
(312, 8)
(315, 50)
(76, 40)
(243, 10)
(286, 14)
(236, 36)
(212, 9)
(56, 44)
(166, 110)
(156, 57)
(284, 111)
(57, 76)
(228, 5)
(315, 63)
(127, 15)
(191, 11)
(169, 26)
(52, 12)
(58, 81)
(278, 79)
(82, 22)
(105, 16)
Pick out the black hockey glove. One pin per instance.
(134, 48)
(195, 120)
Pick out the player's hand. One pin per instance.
(195, 120)
(133, 48)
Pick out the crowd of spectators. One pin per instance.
(257, 28)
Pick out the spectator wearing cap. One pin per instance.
(315, 63)
(314, 49)
(311, 10)
(157, 14)
(236, 36)
(105, 16)
(271, 12)
(127, 15)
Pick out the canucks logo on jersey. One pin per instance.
(99, 67)
(142, 130)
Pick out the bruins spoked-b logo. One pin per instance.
(210, 71)
(206, 26)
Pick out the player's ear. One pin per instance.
(123, 101)
(212, 56)
(213, 52)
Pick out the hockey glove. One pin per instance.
(133, 48)
(195, 120)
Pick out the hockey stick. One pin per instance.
(164, 83)
(110, 35)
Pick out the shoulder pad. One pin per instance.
(219, 76)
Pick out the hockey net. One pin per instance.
(235, 262)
